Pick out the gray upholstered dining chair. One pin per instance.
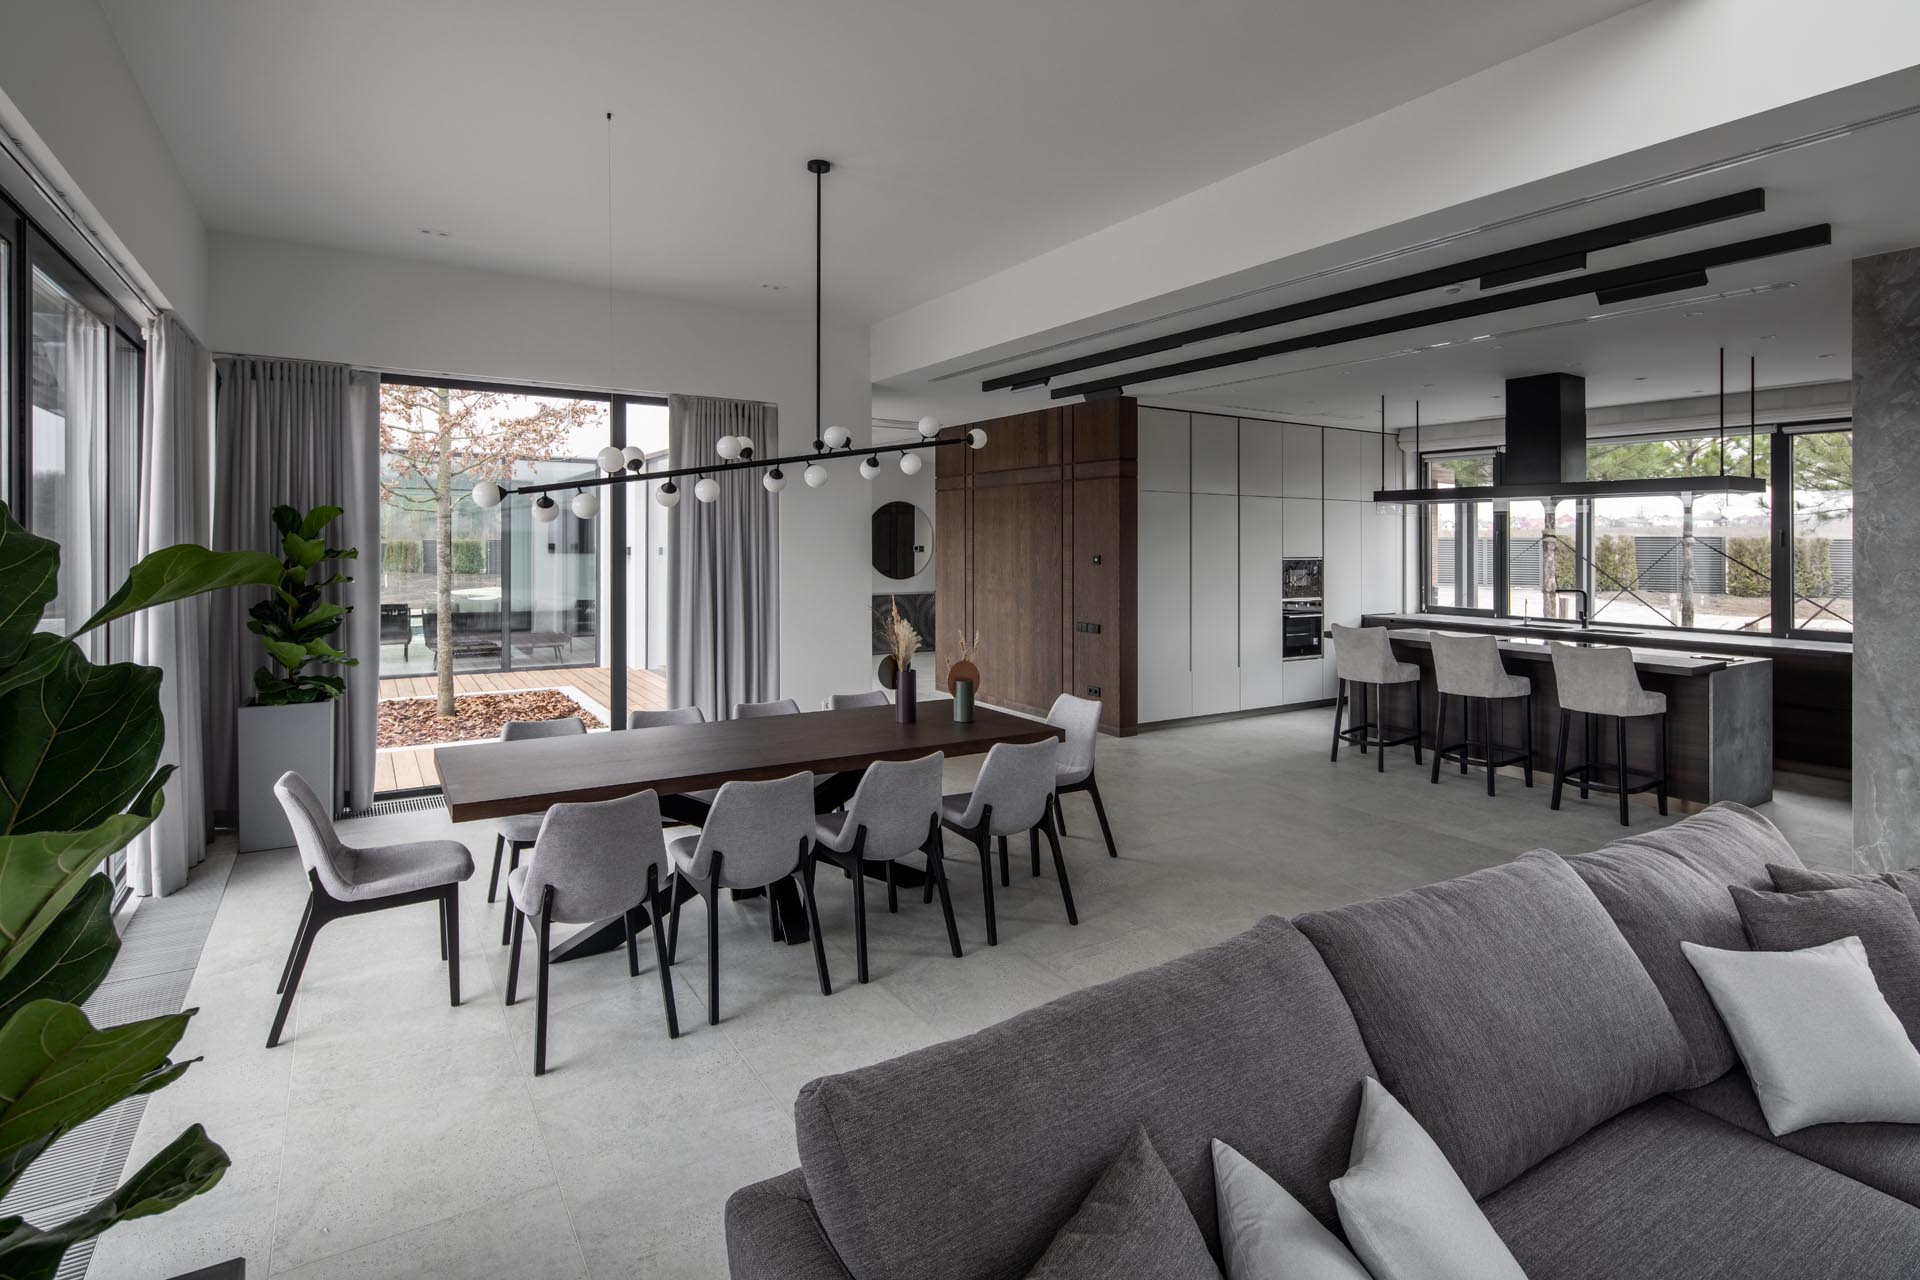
(1469, 668)
(894, 812)
(757, 834)
(871, 698)
(346, 881)
(1013, 794)
(1597, 682)
(1079, 718)
(1364, 667)
(671, 715)
(755, 710)
(591, 862)
(518, 832)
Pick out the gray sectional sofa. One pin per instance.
(1536, 1017)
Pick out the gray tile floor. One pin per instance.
(391, 1135)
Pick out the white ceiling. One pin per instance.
(1790, 314)
(968, 136)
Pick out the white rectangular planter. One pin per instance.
(273, 740)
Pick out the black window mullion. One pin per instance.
(1781, 583)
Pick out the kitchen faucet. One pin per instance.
(1586, 601)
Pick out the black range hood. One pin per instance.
(1546, 455)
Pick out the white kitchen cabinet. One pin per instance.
(1383, 542)
(1165, 639)
(1261, 534)
(1304, 680)
(1302, 528)
(1351, 464)
(1164, 448)
(1262, 457)
(1215, 620)
(1300, 460)
(1216, 454)
(1345, 569)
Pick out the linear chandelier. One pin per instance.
(625, 466)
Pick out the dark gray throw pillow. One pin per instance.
(1802, 879)
(1134, 1223)
(1878, 914)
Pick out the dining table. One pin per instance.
(501, 779)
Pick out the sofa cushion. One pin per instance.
(1504, 1010)
(773, 1234)
(1134, 1222)
(1667, 1191)
(1727, 843)
(962, 1159)
(1884, 1156)
(1878, 914)
(1801, 879)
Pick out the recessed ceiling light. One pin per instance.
(1828, 355)
(1453, 288)
(1695, 315)
(774, 287)
(1766, 337)
(1640, 377)
(1699, 391)
(1426, 384)
(433, 231)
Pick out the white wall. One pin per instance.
(399, 315)
(66, 91)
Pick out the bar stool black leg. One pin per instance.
(1592, 727)
(1487, 724)
(1620, 746)
(1378, 696)
(1339, 709)
(1466, 733)
(1560, 758)
(1527, 710)
(1364, 699)
(1660, 762)
(1419, 730)
(1439, 734)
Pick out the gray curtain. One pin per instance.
(723, 563)
(304, 434)
(176, 477)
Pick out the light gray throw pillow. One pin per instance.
(1265, 1234)
(1404, 1209)
(1133, 1223)
(1820, 1043)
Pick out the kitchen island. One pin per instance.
(1719, 715)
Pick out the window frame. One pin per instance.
(1462, 554)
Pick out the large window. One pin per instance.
(1703, 562)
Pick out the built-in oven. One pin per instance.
(1300, 629)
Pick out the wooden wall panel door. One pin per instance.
(1103, 582)
(950, 541)
(1016, 593)
(1021, 441)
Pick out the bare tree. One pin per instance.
(433, 436)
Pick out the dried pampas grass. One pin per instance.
(902, 640)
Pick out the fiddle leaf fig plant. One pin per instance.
(79, 778)
(294, 622)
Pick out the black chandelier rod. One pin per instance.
(744, 464)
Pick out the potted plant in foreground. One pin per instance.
(289, 723)
(80, 778)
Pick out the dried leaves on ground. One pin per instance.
(411, 722)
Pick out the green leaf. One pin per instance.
(178, 572)
(29, 579)
(318, 519)
(324, 652)
(286, 653)
(190, 1165)
(79, 742)
(304, 552)
(325, 614)
(41, 872)
(286, 519)
(58, 1070)
(71, 957)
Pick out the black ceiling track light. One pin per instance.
(1495, 270)
(1662, 275)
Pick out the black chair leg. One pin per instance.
(713, 952)
(986, 887)
(1439, 735)
(499, 849)
(807, 862)
(1487, 720)
(1592, 727)
(1526, 709)
(655, 907)
(1620, 752)
(1363, 702)
(1033, 848)
(286, 969)
(450, 932)
(1100, 812)
(442, 906)
(1660, 762)
(893, 891)
(1005, 879)
(540, 991)
(1060, 869)
(1339, 709)
(296, 965)
(675, 892)
(1466, 733)
(1419, 730)
(1560, 760)
(633, 942)
(859, 921)
(1059, 814)
(937, 874)
(517, 922)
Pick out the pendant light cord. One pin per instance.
(819, 169)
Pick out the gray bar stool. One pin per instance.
(1364, 662)
(1599, 681)
(1469, 668)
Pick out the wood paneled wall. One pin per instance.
(1035, 550)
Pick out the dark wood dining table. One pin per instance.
(501, 779)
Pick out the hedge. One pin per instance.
(400, 557)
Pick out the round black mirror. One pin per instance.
(902, 541)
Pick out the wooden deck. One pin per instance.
(407, 768)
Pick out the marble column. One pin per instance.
(1886, 560)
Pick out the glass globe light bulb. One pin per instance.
(636, 457)
(929, 427)
(976, 439)
(668, 494)
(774, 481)
(869, 468)
(837, 437)
(487, 494)
(815, 475)
(545, 509)
(707, 490)
(910, 464)
(728, 447)
(610, 460)
(585, 504)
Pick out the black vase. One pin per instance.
(905, 692)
